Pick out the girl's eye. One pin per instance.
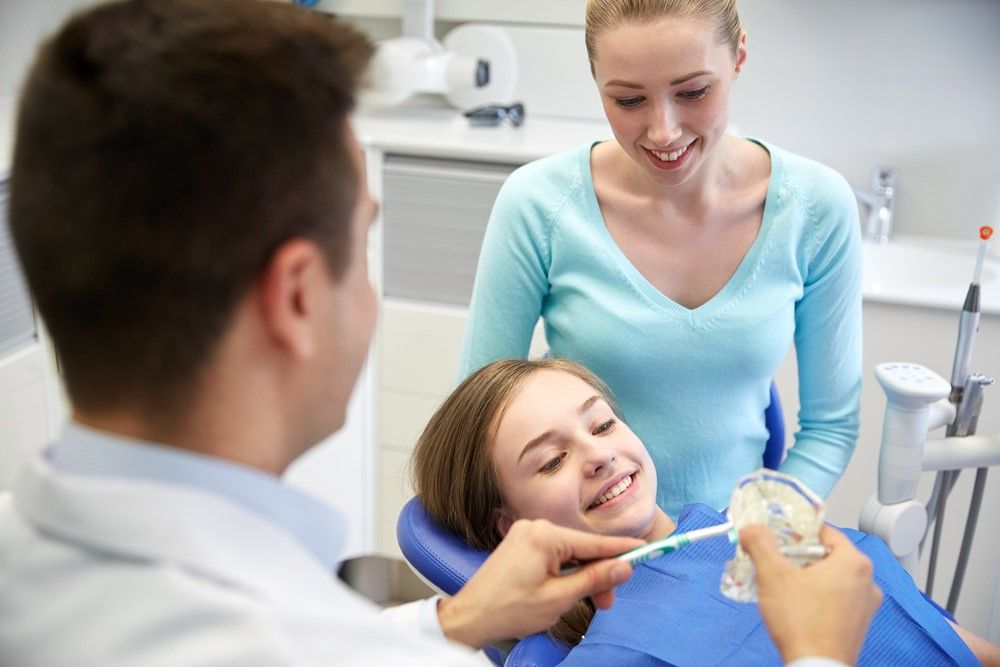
(552, 464)
(605, 427)
(694, 94)
(629, 102)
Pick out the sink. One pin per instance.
(928, 271)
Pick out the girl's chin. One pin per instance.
(635, 527)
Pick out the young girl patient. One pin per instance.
(544, 440)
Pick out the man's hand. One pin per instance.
(820, 610)
(518, 590)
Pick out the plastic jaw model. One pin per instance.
(785, 505)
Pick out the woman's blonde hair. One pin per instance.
(604, 15)
(452, 466)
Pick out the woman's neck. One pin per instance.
(697, 196)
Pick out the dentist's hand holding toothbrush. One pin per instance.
(520, 590)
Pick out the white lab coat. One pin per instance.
(116, 572)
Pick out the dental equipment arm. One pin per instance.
(916, 402)
(893, 513)
(916, 405)
(966, 394)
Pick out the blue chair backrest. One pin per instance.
(774, 450)
(447, 561)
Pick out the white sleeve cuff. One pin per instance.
(421, 616)
(816, 661)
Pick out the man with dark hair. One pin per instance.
(188, 204)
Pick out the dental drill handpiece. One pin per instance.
(968, 325)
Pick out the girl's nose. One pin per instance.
(599, 461)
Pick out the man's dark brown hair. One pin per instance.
(164, 149)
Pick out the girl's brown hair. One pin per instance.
(452, 466)
(604, 15)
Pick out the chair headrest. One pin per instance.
(445, 560)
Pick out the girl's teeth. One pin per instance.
(614, 491)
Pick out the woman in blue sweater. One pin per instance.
(680, 254)
(544, 440)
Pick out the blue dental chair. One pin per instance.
(447, 562)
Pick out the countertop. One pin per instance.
(426, 129)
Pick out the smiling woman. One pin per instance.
(680, 253)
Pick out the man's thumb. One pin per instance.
(597, 580)
(759, 542)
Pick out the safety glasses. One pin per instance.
(494, 114)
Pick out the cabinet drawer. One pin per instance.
(435, 214)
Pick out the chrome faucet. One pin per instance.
(879, 199)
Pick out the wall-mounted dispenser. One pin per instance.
(475, 64)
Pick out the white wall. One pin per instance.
(852, 83)
(22, 24)
(912, 83)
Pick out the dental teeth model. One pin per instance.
(786, 506)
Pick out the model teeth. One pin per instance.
(672, 155)
(613, 492)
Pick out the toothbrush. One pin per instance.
(667, 545)
(678, 541)
(681, 540)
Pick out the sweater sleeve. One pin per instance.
(828, 340)
(511, 277)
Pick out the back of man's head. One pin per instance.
(164, 149)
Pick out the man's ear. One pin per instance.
(741, 52)
(502, 521)
(289, 290)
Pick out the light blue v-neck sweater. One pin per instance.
(692, 384)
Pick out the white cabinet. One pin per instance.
(341, 470)
(434, 214)
(418, 365)
(31, 404)
(31, 407)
